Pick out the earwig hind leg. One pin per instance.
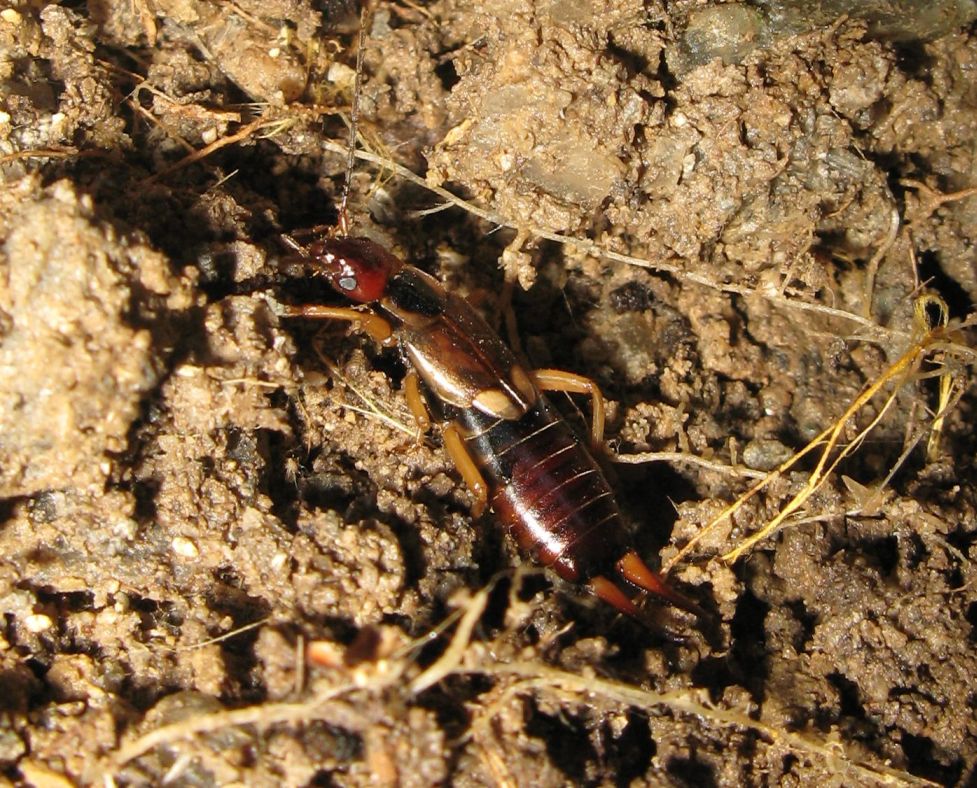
(466, 467)
(378, 329)
(636, 572)
(412, 392)
(559, 380)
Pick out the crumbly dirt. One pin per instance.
(227, 555)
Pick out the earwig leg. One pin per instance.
(634, 570)
(558, 380)
(466, 467)
(613, 595)
(412, 391)
(294, 245)
(379, 329)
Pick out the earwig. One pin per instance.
(515, 453)
(513, 450)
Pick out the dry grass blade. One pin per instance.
(948, 393)
(824, 468)
(690, 459)
(938, 343)
(241, 134)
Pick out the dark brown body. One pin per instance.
(513, 450)
(544, 486)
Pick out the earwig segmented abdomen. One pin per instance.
(547, 490)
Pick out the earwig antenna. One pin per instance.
(353, 117)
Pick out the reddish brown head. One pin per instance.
(357, 268)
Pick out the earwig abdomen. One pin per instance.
(547, 491)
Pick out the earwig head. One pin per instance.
(358, 268)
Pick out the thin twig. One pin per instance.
(241, 134)
(873, 330)
(640, 458)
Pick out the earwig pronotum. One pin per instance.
(515, 453)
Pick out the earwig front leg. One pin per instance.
(378, 329)
(559, 380)
(466, 467)
(412, 393)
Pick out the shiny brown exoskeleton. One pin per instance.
(514, 451)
